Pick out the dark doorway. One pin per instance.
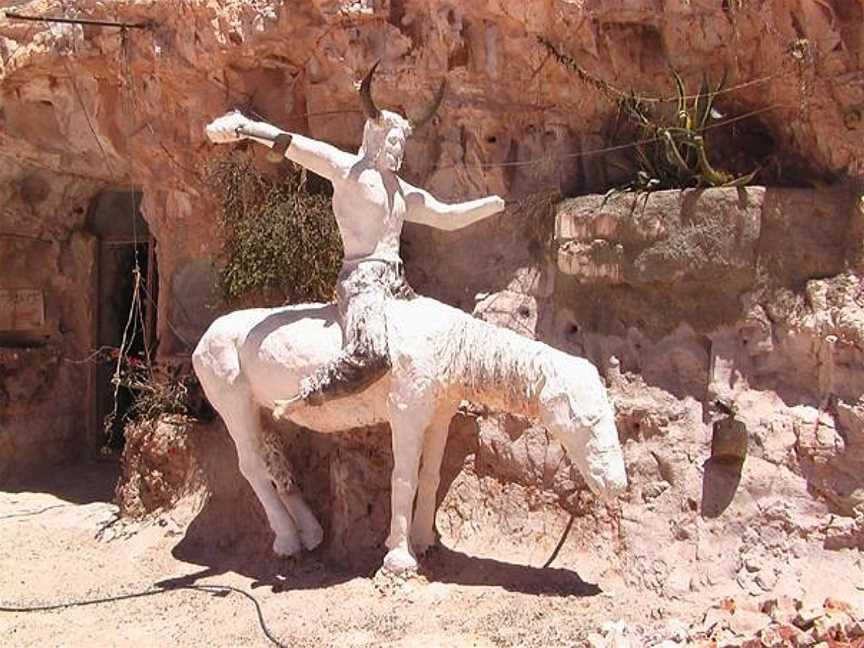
(126, 316)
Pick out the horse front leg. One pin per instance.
(408, 425)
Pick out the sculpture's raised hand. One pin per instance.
(224, 129)
(496, 204)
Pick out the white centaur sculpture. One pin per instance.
(370, 203)
(418, 361)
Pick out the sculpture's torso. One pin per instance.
(369, 206)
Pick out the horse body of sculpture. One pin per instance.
(439, 356)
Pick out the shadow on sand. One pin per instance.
(448, 566)
(230, 534)
(440, 564)
(82, 483)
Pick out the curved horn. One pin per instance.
(369, 108)
(436, 103)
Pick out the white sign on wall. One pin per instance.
(22, 310)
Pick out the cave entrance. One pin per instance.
(125, 243)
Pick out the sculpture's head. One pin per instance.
(384, 140)
(385, 132)
(575, 408)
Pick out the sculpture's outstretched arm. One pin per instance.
(424, 208)
(319, 157)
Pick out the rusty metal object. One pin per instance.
(79, 21)
(729, 440)
(725, 407)
(280, 147)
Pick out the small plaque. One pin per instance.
(22, 310)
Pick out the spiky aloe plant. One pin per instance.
(675, 156)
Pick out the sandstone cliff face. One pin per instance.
(750, 296)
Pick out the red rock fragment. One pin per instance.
(806, 617)
(781, 609)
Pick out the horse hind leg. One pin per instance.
(241, 418)
(311, 533)
(217, 366)
(280, 472)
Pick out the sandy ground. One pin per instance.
(62, 541)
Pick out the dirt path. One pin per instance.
(62, 542)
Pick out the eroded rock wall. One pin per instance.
(88, 103)
(47, 260)
(753, 297)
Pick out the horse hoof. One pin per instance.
(400, 562)
(421, 543)
(286, 545)
(313, 538)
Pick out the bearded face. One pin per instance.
(392, 150)
(384, 140)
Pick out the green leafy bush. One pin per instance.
(280, 239)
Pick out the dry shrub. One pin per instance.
(280, 239)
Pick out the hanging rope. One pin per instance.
(87, 116)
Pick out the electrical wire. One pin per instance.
(211, 589)
(606, 149)
(32, 513)
(29, 237)
(87, 116)
(569, 62)
(561, 541)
